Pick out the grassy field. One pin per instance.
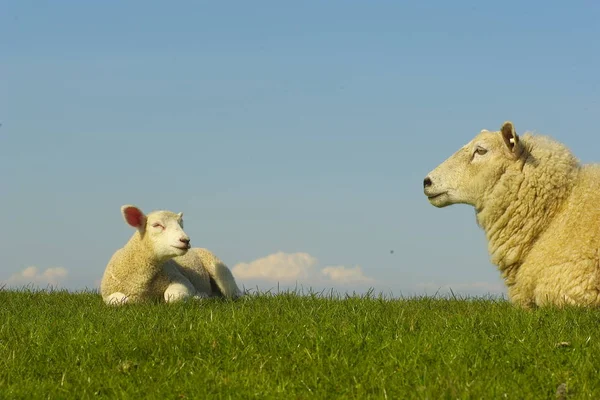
(61, 345)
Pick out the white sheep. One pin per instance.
(539, 208)
(157, 263)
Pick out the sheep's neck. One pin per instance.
(145, 263)
(513, 223)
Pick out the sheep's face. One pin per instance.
(473, 170)
(162, 229)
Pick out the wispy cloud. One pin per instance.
(300, 267)
(32, 275)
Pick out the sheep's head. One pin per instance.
(163, 230)
(473, 170)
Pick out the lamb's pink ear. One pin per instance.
(134, 217)
(511, 139)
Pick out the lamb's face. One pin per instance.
(162, 229)
(473, 170)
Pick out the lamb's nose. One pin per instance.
(427, 182)
(186, 241)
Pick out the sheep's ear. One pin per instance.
(511, 139)
(180, 215)
(134, 217)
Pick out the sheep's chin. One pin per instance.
(179, 251)
(440, 200)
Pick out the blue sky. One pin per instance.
(294, 136)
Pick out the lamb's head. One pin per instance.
(470, 173)
(162, 230)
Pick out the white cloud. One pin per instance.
(345, 275)
(298, 267)
(32, 275)
(279, 267)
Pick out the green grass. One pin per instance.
(62, 345)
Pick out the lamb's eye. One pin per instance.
(157, 225)
(480, 151)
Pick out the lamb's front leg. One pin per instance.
(179, 288)
(178, 291)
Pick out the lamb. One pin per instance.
(539, 208)
(158, 263)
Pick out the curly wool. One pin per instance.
(542, 223)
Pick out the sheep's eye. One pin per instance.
(480, 151)
(157, 225)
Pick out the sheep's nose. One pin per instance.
(427, 182)
(185, 241)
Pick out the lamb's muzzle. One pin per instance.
(186, 242)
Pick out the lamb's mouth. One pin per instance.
(182, 248)
(433, 196)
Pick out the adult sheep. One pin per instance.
(539, 208)
(158, 263)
